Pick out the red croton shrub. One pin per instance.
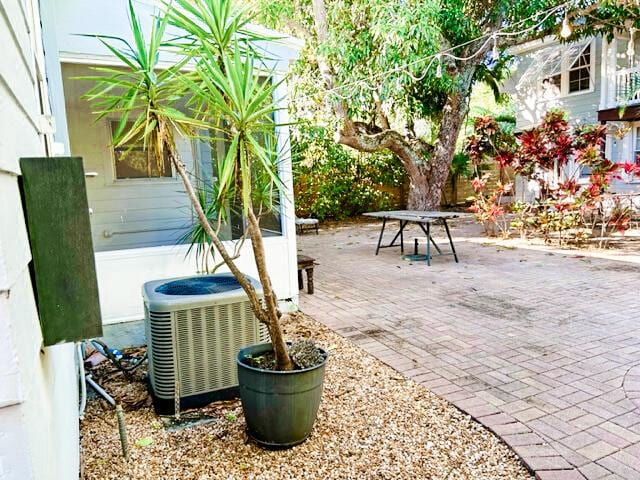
(490, 144)
(630, 171)
(546, 154)
(547, 147)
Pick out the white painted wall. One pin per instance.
(38, 387)
(532, 104)
(157, 208)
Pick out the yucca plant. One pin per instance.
(225, 95)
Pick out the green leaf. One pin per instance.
(144, 441)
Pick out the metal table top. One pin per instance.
(413, 215)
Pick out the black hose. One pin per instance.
(117, 362)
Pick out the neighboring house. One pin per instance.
(590, 79)
(137, 219)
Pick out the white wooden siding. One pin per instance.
(38, 394)
(530, 106)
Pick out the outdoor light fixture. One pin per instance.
(566, 28)
(631, 48)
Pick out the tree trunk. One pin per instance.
(268, 315)
(275, 330)
(428, 187)
(421, 194)
(427, 166)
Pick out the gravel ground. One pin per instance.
(372, 424)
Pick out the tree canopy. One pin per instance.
(398, 75)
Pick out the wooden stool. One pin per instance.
(304, 224)
(306, 263)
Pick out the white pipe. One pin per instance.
(100, 390)
(83, 385)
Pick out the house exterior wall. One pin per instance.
(157, 209)
(531, 104)
(38, 386)
(129, 213)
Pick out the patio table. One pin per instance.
(423, 219)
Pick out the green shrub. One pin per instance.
(333, 181)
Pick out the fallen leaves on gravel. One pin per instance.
(372, 424)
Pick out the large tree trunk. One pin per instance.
(427, 184)
(427, 166)
(422, 194)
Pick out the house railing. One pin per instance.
(627, 84)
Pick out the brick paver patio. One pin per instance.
(543, 349)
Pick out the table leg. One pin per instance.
(433, 242)
(300, 281)
(436, 245)
(428, 244)
(453, 249)
(384, 222)
(310, 281)
(399, 234)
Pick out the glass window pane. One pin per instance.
(585, 84)
(584, 59)
(579, 80)
(133, 161)
(580, 72)
(555, 81)
(208, 152)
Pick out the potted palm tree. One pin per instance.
(220, 75)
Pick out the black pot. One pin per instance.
(279, 407)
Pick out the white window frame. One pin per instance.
(565, 68)
(635, 145)
(131, 181)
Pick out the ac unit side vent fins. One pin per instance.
(198, 344)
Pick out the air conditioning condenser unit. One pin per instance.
(195, 327)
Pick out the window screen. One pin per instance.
(209, 148)
(580, 72)
(132, 160)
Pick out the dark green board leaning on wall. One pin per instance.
(63, 269)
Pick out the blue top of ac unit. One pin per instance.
(199, 285)
(197, 290)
